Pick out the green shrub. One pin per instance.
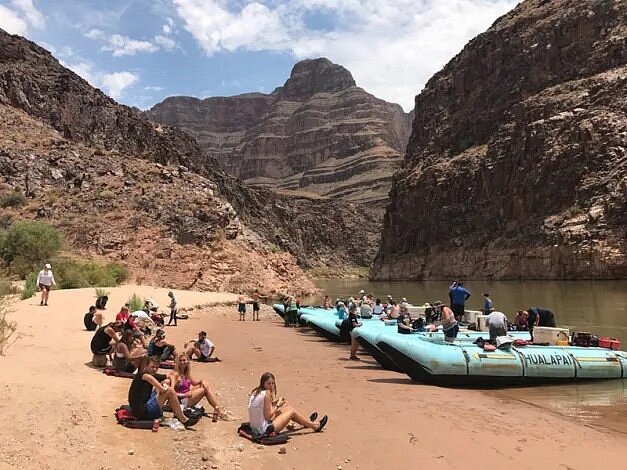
(100, 292)
(74, 274)
(14, 199)
(30, 286)
(135, 302)
(119, 272)
(31, 243)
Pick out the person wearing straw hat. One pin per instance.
(45, 281)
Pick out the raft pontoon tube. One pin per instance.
(465, 363)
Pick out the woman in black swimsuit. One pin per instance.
(101, 342)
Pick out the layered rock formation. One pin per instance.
(318, 133)
(122, 187)
(517, 163)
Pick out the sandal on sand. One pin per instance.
(313, 416)
(354, 358)
(323, 423)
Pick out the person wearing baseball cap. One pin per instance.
(45, 281)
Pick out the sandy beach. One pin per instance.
(58, 411)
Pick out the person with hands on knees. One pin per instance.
(269, 414)
(147, 395)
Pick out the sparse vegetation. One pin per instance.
(73, 274)
(100, 292)
(27, 244)
(30, 286)
(106, 194)
(135, 302)
(14, 199)
(7, 327)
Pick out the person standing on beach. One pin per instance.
(174, 307)
(256, 296)
(241, 306)
(45, 281)
(458, 295)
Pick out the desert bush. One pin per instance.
(30, 243)
(14, 199)
(30, 286)
(7, 327)
(100, 292)
(135, 302)
(74, 274)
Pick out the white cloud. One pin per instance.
(113, 83)
(116, 82)
(33, 16)
(165, 42)
(95, 34)
(168, 26)
(153, 88)
(122, 45)
(20, 17)
(392, 47)
(11, 22)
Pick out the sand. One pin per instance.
(57, 411)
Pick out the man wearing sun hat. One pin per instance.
(45, 281)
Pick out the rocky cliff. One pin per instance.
(318, 133)
(517, 162)
(122, 187)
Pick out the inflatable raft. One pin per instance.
(465, 363)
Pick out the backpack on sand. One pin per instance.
(268, 439)
(125, 417)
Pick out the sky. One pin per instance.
(142, 51)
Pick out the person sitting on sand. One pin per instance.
(101, 342)
(268, 414)
(202, 348)
(147, 396)
(190, 390)
(127, 355)
(160, 347)
(88, 319)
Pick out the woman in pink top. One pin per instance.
(190, 389)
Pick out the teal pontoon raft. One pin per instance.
(460, 363)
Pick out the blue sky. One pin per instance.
(141, 51)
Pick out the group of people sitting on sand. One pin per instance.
(131, 349)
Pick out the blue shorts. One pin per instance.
(241, 308)
(452, 331)
(153, 410)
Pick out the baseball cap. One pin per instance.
(47, 266)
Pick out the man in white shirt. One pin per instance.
(202, 348)
(497, 324)
(45, 281)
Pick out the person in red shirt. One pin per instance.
(123, 315)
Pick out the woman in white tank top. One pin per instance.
(269, 415)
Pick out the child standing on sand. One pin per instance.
(241, 307)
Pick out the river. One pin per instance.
(599, 307)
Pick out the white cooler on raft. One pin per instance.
(481, 326)
(470, 316)
(546, 334)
